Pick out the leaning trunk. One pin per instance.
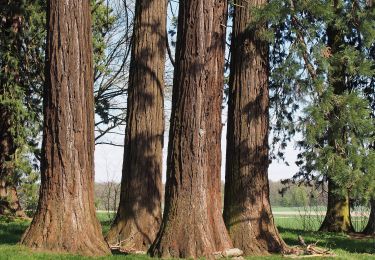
(139, 214)
(65, 220)
(192, 225)
(247, 209)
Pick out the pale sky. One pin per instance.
(108, 160)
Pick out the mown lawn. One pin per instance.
(290, 227)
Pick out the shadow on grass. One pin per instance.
(334, 241)
(11, 230)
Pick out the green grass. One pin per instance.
(289, 227)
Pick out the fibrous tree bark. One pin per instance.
(247, 209)
(65, 220)
(139, 214)
(192, 225)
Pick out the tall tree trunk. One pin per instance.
(65, 220)
(139, 214)
(192, 225)
(337, 217)
(370, 227)
(247, 209)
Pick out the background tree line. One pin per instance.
(298, 68)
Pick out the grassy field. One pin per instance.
(289, 226)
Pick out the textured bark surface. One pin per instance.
(65, 220)
(370, 227)
(337, 217)
(192, 225)
(139, 214)
(247, 210)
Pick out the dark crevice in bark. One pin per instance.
(139, 214)
(192, 225)
(247, 209)
(65, 220)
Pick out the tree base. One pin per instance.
(128, 237)
(63, 234)
(192, 234)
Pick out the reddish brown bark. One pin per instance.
(192, 225)
(247, 210)
(65, 220)
(139, 214)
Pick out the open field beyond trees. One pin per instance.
(342, 245)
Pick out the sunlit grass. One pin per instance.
(290, 227)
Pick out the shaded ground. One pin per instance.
(344, 246)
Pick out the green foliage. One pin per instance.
(322, 69)
(22, 41)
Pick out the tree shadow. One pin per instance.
(335, 241)
(11, 231)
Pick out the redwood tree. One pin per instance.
(247, 209)
(65, 220)
(139, 214)
(192, 225)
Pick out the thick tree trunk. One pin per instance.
(370, 227)
(192, 225)
(139, 214)
(337, 217)
(65, 220)
(247, 209)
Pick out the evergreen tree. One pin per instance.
(21, 51)
(320, 64)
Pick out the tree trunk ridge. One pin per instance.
(139, 214)
(65, 220)
(192, 225)
(247, 209)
